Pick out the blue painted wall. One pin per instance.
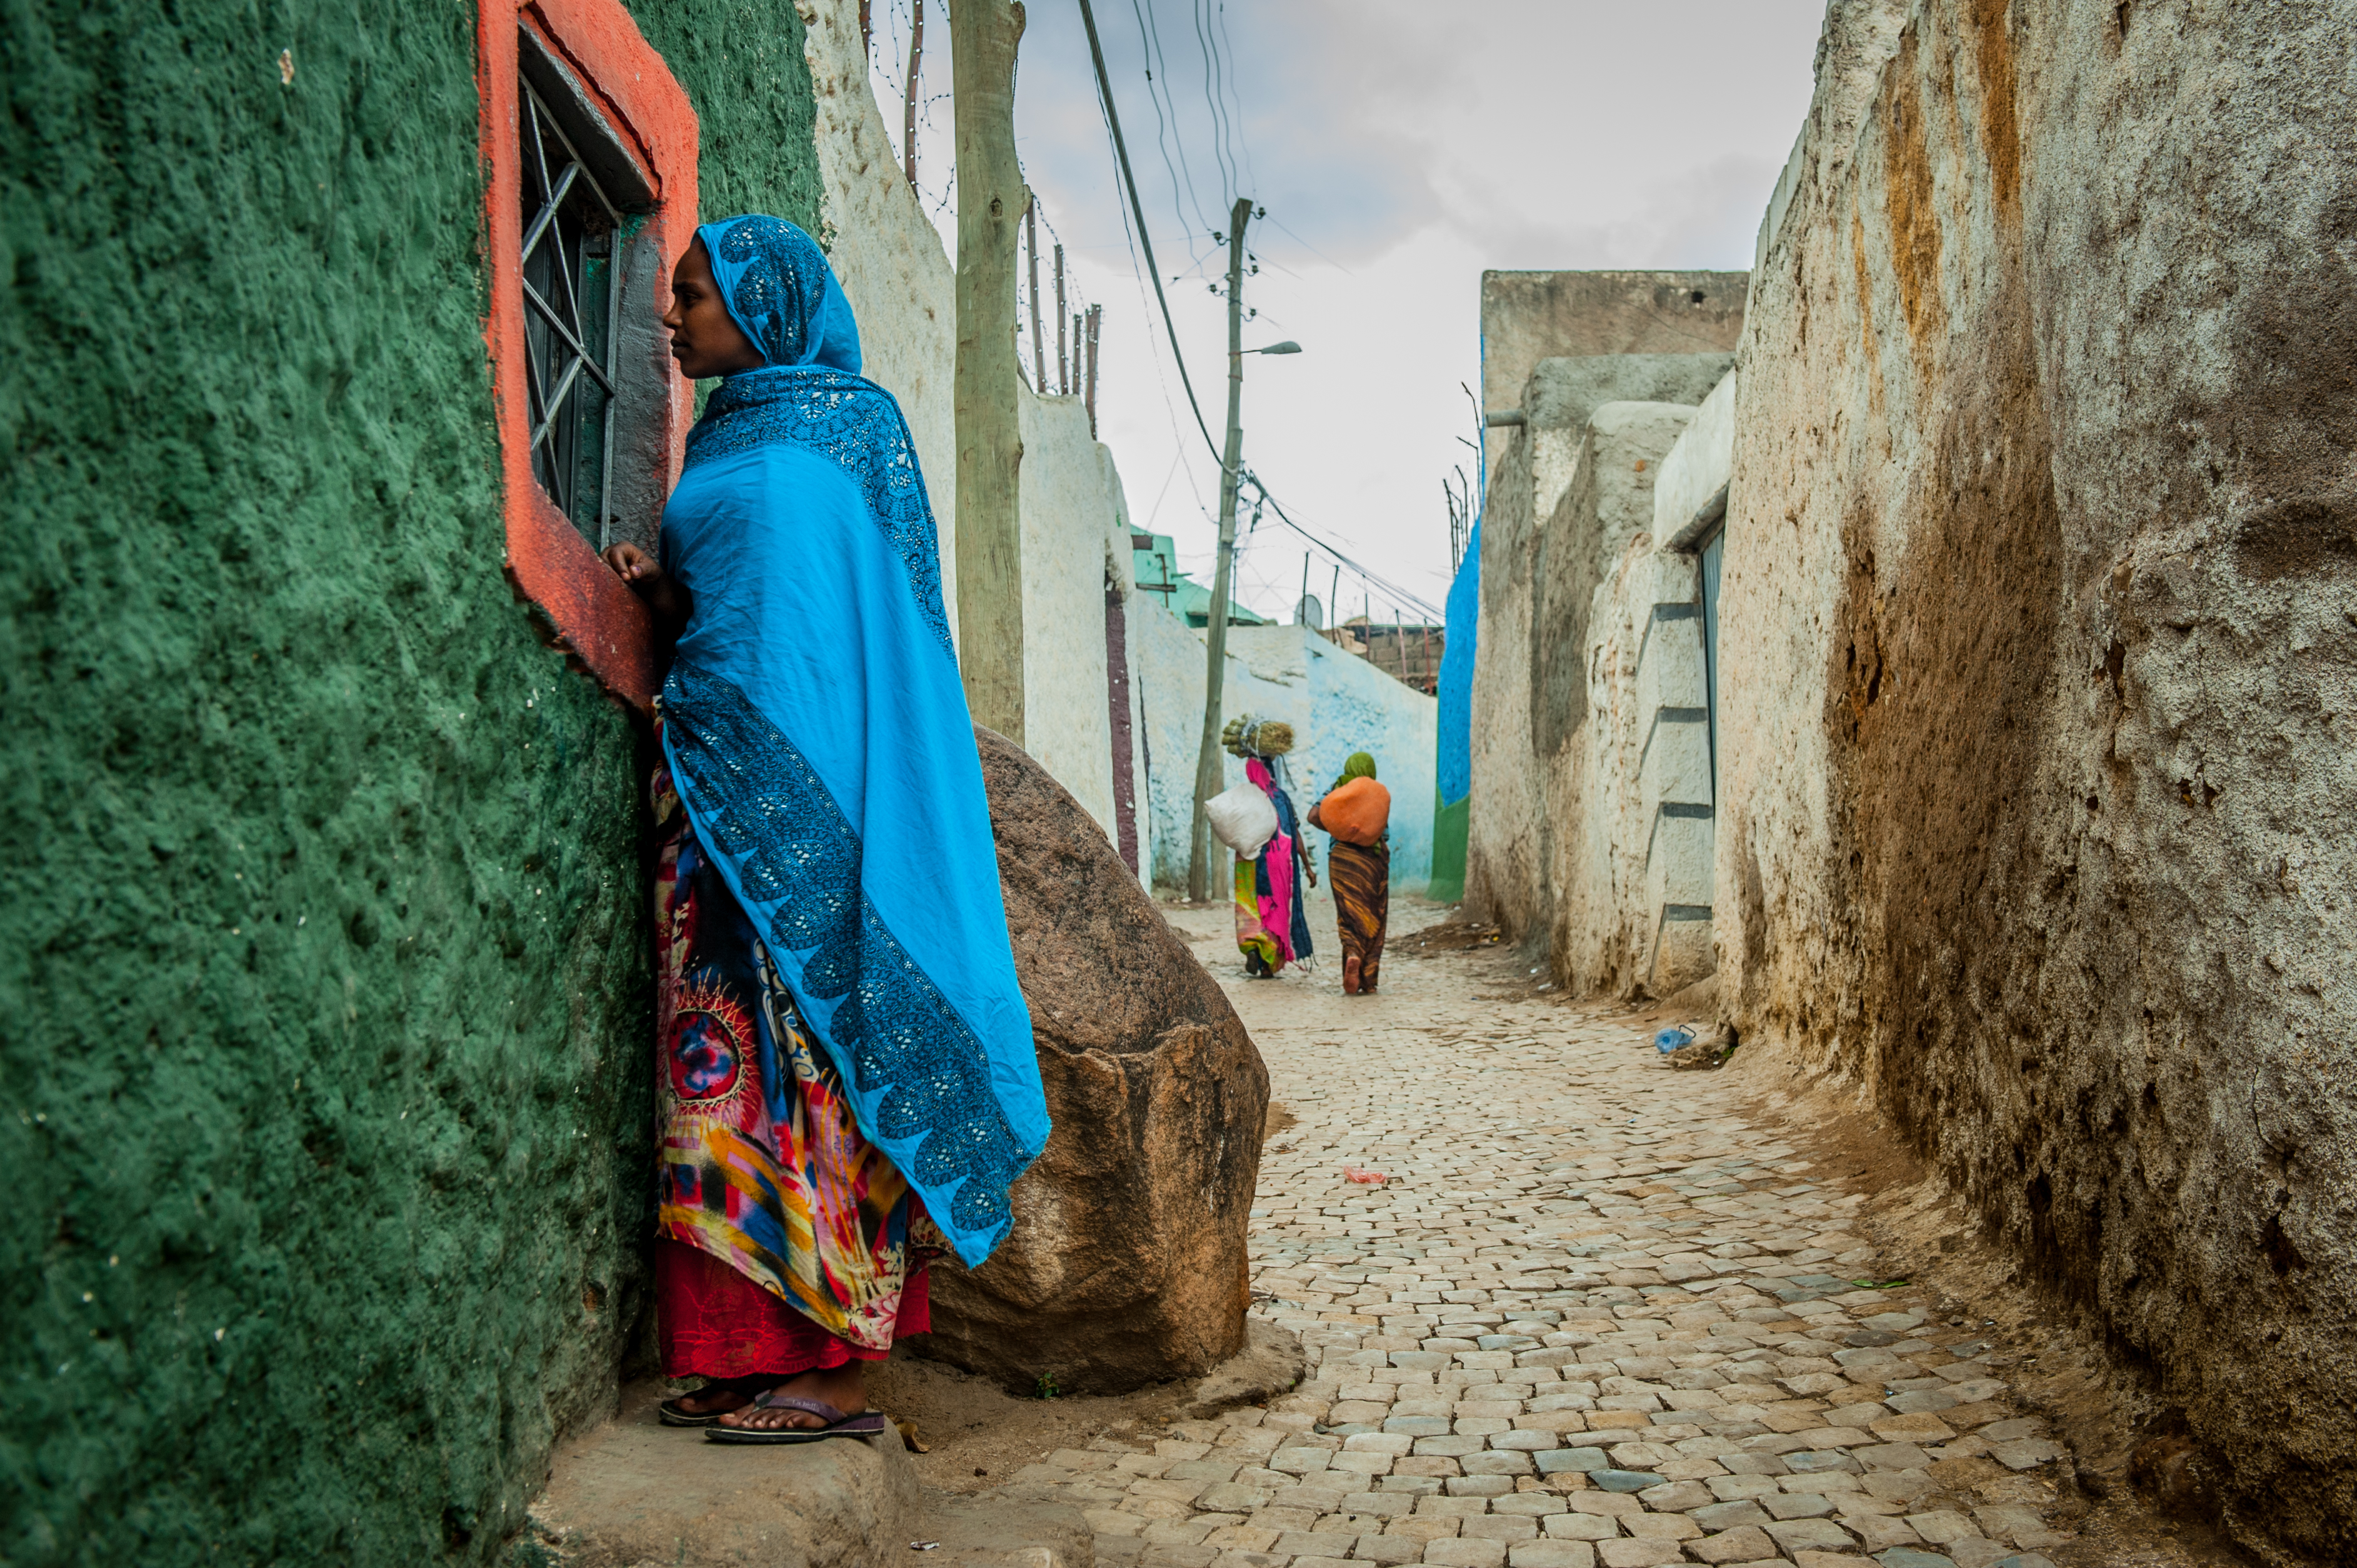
(1455, 764)
(1453, 761)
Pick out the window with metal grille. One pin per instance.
(572, 288)
(589, 149)
(597, 371)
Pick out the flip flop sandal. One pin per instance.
(866, 1423)
(671, 1413)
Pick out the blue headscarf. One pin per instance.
(818, 734)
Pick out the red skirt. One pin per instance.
(716, 1323)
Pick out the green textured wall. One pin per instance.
(324, 1002)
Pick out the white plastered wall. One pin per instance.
(903, 288)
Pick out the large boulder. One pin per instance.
(1127, 1265)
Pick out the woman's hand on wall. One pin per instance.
(664, 595)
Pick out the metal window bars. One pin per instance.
(571, 290)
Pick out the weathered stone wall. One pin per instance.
(1696, 471)
(323, 956)
(2039, 665)
(1530, 628)
(1504, 858)
(1595, 589)
(1632, 790)
(1529, 316)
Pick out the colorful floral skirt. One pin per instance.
(808, 1246)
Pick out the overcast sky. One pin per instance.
(1400, 149)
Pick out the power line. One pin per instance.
(1242, 141)
(1214, 98)
(1121, 150)
(1137, 209)
(1157, 91)
(1390, 588)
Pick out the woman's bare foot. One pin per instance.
(713, 1398)
(843, 1387)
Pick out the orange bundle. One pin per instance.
(1357, 812)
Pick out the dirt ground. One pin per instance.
(978, 1435)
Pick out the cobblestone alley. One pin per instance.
(1590, 1314)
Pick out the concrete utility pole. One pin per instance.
(991, 202)
(1207, 762)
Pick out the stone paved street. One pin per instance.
(1590, 1316)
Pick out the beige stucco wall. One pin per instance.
(2039, 663)
(1696, 471)
(1630, 789)
(1503, 854)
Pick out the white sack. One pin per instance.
(1243, 817)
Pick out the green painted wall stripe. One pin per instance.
(1449, 826)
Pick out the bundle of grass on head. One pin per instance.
(1248, 736)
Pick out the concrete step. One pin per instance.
(635, 1491)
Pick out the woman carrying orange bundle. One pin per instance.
(1357, 811)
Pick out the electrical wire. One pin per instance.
(1244, 143)
(1391, 590)
(1137, 209)
(1121, 151)
(1215, 99)
(1157, 91)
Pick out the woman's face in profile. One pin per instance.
(704, 338)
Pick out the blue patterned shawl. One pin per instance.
(819, 736)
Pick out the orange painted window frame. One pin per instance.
(595, 617)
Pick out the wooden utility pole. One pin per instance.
(1063, 362)
(1207, 761)
(1031, 238)
(1096, 316)
(909, 110)
(991, 201)
(867, 29)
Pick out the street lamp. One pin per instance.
(1288, 347)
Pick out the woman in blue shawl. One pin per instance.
(846, 1074)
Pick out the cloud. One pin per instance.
(1399, 147)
